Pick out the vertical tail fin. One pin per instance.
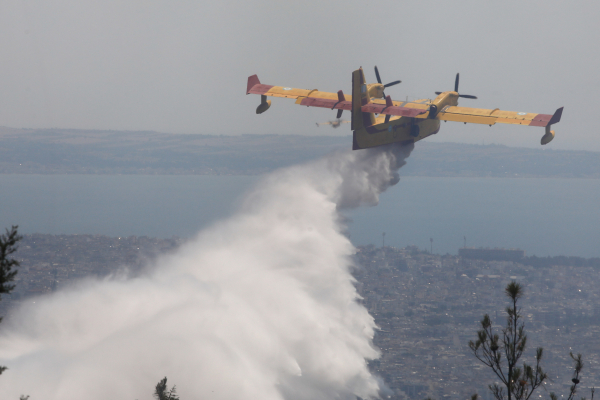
(360, 97)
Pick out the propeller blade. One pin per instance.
(391, 83)
(377, 74)
(466, 96)
(339, 113)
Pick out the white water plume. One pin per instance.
(261, 305)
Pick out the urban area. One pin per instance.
(427, 306)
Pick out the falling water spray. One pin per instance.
(261, 305)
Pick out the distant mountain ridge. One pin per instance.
(71, 151)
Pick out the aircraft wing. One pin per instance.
(334, 101)
(392, 110)
(490, 117)
(417, 109)
(255, 87)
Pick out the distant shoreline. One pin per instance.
(71, 151)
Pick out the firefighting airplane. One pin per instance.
(398, 121)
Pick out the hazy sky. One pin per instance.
(182, 66)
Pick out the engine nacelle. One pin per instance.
(547, 138)
(375, 90)
(264, 104)
(433, 110)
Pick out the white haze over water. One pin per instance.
(261, 305)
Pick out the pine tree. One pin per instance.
(162, 391)
(8, 245)
(502, 352)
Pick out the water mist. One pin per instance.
(261, 305)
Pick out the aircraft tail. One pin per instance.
(360, 97)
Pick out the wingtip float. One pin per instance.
(376, 119)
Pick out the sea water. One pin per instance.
(541, 216)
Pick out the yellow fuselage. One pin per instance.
(404, 129)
